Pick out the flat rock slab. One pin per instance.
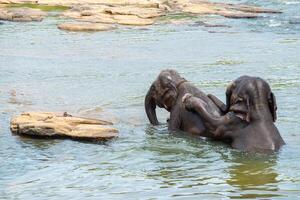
(132, 20)
(139, 12)
(85, 27)
(21, 14)
(99, 18)
(226, 10)
(254, 9)
(62, 125)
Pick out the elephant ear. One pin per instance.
(273, 106)
(248, 110)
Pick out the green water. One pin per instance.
(46, 8)
(107, 74)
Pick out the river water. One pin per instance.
(107, 74)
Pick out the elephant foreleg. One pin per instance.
(174, 122)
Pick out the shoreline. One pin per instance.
(104, 15)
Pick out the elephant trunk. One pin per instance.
(150, 106)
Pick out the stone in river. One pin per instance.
(132, 10)
(254, 9)
(61, 125)
(84, 26)
(132, 20)
(237, 15)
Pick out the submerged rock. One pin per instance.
(295, 20)
(254, 9)
(85, 26)
(204, 24)
(50, 124)
(21, 14)
(237, 15)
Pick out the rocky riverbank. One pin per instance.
(104, 15)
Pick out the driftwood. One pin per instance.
(50, 124)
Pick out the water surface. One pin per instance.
(107, 74)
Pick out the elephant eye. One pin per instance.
(239, 100)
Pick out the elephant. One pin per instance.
(248, 117)
(167, 92)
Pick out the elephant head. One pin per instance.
(162, 93)
(251, 98)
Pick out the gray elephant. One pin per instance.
(167, 92)
(248, 117)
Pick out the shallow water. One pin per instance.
(106, 75)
